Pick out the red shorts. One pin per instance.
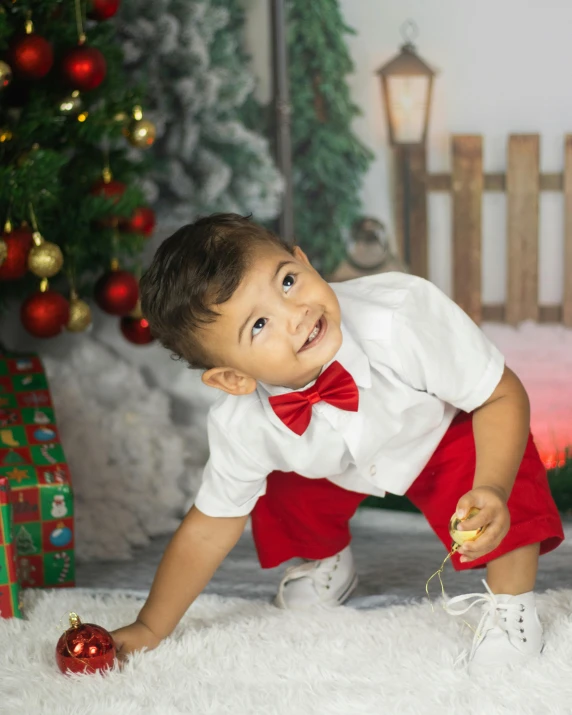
(309, 518)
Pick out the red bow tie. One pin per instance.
(335, 386)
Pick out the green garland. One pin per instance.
(329, 162)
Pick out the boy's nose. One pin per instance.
(298, 318)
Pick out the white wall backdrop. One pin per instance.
(504, 67)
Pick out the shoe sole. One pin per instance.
(332, 603)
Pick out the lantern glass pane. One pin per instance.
(408, 98)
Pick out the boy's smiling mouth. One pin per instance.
(316, 335)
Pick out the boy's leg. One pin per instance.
(534, 517)
(302, 518)
(510, 630)
(308, 519)
(515, 572)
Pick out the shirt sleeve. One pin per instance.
(441, 351)
(232, 479)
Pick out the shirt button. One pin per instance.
(373, 470)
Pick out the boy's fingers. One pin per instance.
(476, 522)
(464, 506)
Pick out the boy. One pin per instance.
(378, 384)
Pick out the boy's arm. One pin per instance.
(196, 550)
(501, 427)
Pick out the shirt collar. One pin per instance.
(350, 356)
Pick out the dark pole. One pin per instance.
(283, 110)
(406, 207)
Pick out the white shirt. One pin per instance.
(417, 359)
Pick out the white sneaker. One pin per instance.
(509, 631)
(328, 582)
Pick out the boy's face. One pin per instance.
(280, 327)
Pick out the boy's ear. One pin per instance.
(301, 256)
(229, 380)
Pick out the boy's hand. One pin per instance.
(133, 637)
(493, 515)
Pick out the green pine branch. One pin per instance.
(51, 161)
(329, 160)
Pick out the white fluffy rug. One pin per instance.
(237, 657)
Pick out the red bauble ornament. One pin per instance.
(45, 314)
(84, 68)
(102, 9)
(111, 189)
(84, 648)
(18, 245)
(31, 56)
(136, 330)
(142, 221)
(117, 292)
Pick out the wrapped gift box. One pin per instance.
(9, 584)
(32, 459)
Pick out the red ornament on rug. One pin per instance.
(102, 9)
(84, 648)
(136, 330)
(84, 68)
(45, 314)
(117, 292)
(142, 221)
(18, 245)
(31, 56)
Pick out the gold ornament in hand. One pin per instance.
(462, 537)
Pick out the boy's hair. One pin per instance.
(200, 266)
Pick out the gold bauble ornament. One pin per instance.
(45, 259)
(140, 132)
(3, 251)
(80, 315)
(461, 537)
(71, 105)
(5, 75)
(5, 135)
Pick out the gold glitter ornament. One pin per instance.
(71, 106)
(140, 132)
(462, 537)
(45, 259)
(80, 314)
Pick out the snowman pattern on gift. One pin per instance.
(59, 508)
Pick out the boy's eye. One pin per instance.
(257, 327)
(288, 282)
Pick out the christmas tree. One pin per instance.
(69, 184)
(329, 161)
(209, 154)
(24, 541)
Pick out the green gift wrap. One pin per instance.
(33, 461)
(9, 584)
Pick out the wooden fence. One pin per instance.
(466, 183)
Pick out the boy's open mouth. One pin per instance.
(316, 335)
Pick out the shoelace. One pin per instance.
(492, 613)
(320, 574)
